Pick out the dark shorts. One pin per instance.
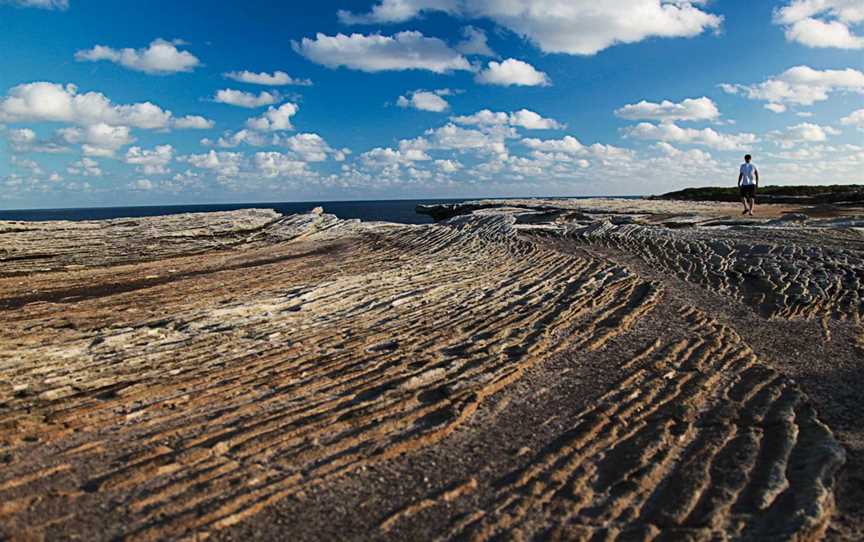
(748, 191)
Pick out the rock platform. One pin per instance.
(529, 369)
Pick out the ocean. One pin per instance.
(401, 211)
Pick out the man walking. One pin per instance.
(748, 180)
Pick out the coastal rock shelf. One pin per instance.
(781, 272)
(212, 375)
(29, 247)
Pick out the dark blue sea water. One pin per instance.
(401, 211)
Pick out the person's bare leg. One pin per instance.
(746, 209)
(751, 202)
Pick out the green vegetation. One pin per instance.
(779, 194)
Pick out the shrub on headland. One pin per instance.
(834, 193)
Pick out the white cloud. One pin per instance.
(397, 11)
(523, 118)
(86, 167)
(151, 162)
(475, 42)
(160, 58)
(276, 164)
(708, 137)
(375, 53)
(21, 139)
(822, 23)
(310, 147)
(245, 99)
(777, 108)
(51, 102)
(385, 157)
(579, 27)
(452, 137)
(567, 144)
(693, 109)
(512, 72)
(449, 166)
(804, 132)
(26, 140)
(26, 163)
(224, 164)
(801, 85)
(42, 4)
(274, 118)
(425, 100)
(193, 122)
(568, 147)
(98, 139)
(277, 78)
(142, 184)
(856, 119)
(231, 140)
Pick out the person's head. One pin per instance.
(747, 158)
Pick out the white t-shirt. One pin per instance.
(748, 172)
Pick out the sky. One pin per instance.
(151, 102)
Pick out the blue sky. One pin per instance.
(151, 102)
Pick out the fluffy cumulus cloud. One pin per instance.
(512, 72)
(274, 119)
(449, 166)
(142, 184)
(806, 132)
(671, 132)
(230, 139)
(386, 157)
(855, 118)
(523, 118)
(150, 161)
(21, 139)
(397, 11)
(245, 99)
(193, 122)
(800, 85)
(570, 149)
(579, 27)
(692, 109)
(160, 57)
(52, 102)
(32, 167)
(822, 23)
(375, 53)
(224, 164)
(426, 100)
(310, 147)
(275, 79)
(456, 138)
(26, 140)
(86, 167)
(41, 4)
(277, 164)
(475, 42)
(99, 139)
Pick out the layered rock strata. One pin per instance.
(191, 376)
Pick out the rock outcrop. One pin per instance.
(195, 375)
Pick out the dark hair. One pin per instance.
(748, 157)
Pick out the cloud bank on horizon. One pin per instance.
(424, 98)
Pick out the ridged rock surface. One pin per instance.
(503, 374)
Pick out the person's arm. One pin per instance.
(756, 172)
(740, 178)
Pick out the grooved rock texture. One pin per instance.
(247, 374)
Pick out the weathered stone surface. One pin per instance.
(212, 375)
